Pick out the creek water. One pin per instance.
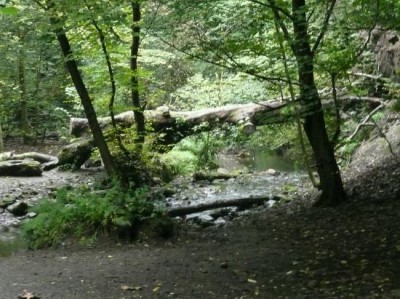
(256, 182)
(257, 160)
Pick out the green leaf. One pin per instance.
(10, 10)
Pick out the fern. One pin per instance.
(84, 214)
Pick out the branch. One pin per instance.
(362, 49)
(369, 76)
(248, 72)
(324, 27)
(44, 7)
(102, 40)
(279, 20)
(273, 6)
(365, 122)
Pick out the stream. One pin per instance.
(264, 175)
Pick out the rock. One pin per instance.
(31, 215)
(220, 221)
(222, 170)
(204, 220)
(18, 209)
(5, 202)
(270, 203)
(272, 172)
(27, 167)
(76, 153)
(169, 191)
(375, 150)
(50, 165)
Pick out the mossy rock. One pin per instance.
(25, 167)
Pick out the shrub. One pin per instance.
(180, 162)
(84, 214)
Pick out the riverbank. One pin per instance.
(289, 250)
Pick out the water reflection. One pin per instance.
(263, 160)
(257, 161)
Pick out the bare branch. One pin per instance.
(280, 21)
(324, 26)
(273, 80)
(273, 6)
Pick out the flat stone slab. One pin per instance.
(26, 167)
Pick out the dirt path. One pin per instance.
(286, 252)
(213, 264)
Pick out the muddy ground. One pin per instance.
(290, 251)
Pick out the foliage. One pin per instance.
(33, 77)
(180, 161)
(204, 91)
(85, 213)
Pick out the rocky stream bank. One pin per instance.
(289, 250)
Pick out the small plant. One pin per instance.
(180, 162)
(84, 214)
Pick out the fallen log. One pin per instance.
(211, 176)
(76, 153)
(173, 126)
(39, 157)
(179, 124)
(176, 125)
(183, 210)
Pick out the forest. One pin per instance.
(172, 127)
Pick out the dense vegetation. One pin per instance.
(141, 54)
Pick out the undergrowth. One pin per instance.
(84, 214)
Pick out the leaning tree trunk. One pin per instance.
(86, 101)
(330, 180)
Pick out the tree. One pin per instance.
(241, 36)
(314, 123)
(135, 96)
(72, 66)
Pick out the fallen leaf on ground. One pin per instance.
(131, 288)
(28, 295)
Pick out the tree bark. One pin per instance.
(135, 95)
(1, 138)
(314, 125)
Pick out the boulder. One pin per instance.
(27, 167)
(18, 209)
(375, 150)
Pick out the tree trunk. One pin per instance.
(330, 180)
(1, 139)
(23, 115)
(137, 109)
(86, 101)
